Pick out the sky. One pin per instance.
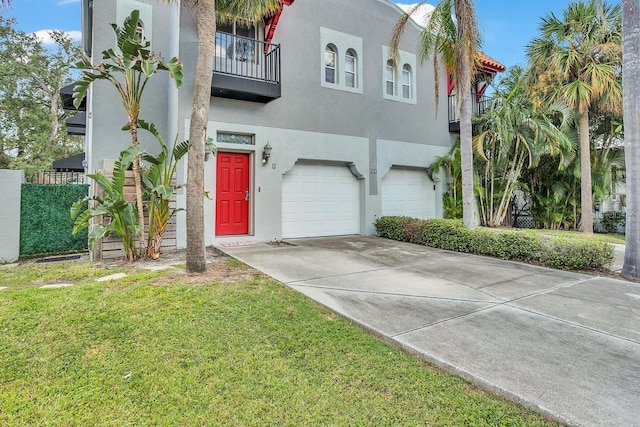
(507, 26)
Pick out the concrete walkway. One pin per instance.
(567, 344)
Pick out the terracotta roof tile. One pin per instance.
(490, 63)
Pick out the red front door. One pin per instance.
(232, 194)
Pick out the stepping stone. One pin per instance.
(2, 288)
(15, 264)
(157, 267)
(111, 277)
(56, 286)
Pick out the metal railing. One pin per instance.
(480, 104)
(247, 58)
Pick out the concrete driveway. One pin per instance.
(567, 344)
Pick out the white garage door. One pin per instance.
(320, 200)
(407, 192)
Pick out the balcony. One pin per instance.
(245, 69)
(480, 104)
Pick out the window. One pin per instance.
(236, 41)
(234, 138)
(330, 56)
(399, 76)
(390, 78)
(350, 69)
(406, 81)
(340, 64)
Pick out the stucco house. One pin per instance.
(317, 132)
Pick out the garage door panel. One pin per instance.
(320, 200)
(408, 192)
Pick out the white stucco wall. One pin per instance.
(11, 184)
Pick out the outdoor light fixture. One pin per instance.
(266, 153)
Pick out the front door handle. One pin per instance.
(246, 196)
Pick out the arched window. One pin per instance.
(406, 81)
(350, 68)
(390, 78)
(330, 64)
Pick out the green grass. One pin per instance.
(142, 352)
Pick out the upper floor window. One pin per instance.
(330, 64)
(340, 66)
(390, 78)
(399, 78)
(350, 68)
(406, 81)
(236, 41)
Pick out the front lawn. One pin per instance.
(235, 348)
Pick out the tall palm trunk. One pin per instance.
(133, 125)
(586, 192)
(466, 155)
(631, 84)
(206, 18)
(465, 54)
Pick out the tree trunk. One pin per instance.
(54, 121)
(466, 150)
(133, 124)
(206, 22)
(631, 85)
(586, 193)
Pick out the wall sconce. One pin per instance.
(266, 153)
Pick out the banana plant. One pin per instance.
(120, 214)
(159, 185)
(128, 69)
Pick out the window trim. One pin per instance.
(404, 77)
(344, 45)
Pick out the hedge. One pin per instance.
(45, 222)
(451, 234)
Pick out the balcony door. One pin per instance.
(236, 42)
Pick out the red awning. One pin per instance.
(489, 64)
(272, 21)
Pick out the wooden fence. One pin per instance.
(111, 248)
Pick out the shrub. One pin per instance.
(556, 252)
(611, 220)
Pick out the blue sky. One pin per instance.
(507, 25)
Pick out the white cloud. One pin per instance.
(45, 37)
(421, 15)
(63, 2)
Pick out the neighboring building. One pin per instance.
(318, 133)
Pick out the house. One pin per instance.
(318, 132)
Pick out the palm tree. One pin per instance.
(206, 13)
(631, 82)
(513, 136)
(457, 43)
(583, 51)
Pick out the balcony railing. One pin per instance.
(480, 104)
(246, 69)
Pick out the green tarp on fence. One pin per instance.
(45, 224)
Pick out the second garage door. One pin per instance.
(320, 200)
(408, 192)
